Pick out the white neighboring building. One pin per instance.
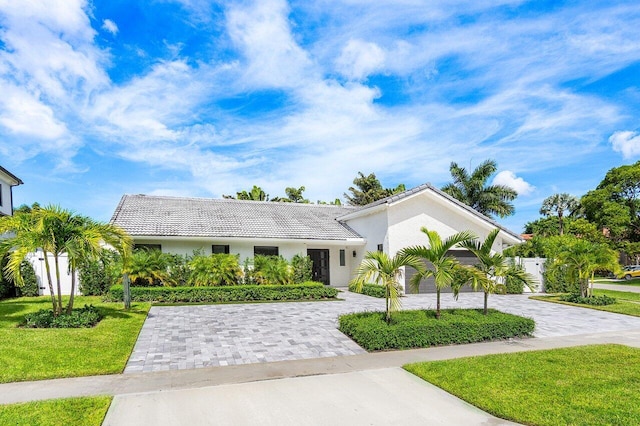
(335, 237)
(7, 181)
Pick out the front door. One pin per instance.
(320, 268)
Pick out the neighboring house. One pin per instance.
(335, 237)
(7, 181)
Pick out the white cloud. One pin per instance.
(110, 26)
(359, 59)
(508, 178)
(626, 142)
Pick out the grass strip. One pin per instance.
(86, 411)
(588, 385)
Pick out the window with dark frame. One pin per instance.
(147, 247)
(265, 251)
(220, 248)
(380, 248)
(343, 260)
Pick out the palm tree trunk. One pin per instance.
(486, 300)
(56, 262)
(47, 267)
(437, 303)
(73, 290)
(387, 296)
(560, 223)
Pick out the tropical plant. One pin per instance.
(255, 194)
(302, 268)
(148, 268)
(379, 268)
(369, 189)
(558, 204)
(55, 231)
(215, 269)
(495, 267)
(294, 195)
(474, 191)
(440, 265)
(271, 270)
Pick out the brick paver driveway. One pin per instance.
(181, 337)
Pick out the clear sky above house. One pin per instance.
(201, 98)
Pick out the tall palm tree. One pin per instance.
(495, 267)
(440, 264)
(56, 231)
(386, 271)
(473, 190)
(559, 203)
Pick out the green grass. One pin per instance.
(35, 354)
(57, 412)
(627, 303)
(631, 282)
(588, 385)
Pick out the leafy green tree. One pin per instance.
(55, 230)
(294, 195)
(615, 203)
(368, 189)
(255, 194)
(379, 268)
(558, 204)
(495, 267)
(439, 263)
(473, 190)
(302, 268)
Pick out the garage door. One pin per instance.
(428, 286)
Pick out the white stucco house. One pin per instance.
(335, 237)
(7, 181)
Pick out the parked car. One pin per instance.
(630, 271)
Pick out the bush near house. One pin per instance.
(221, 294)
(373, 290)
(420, 328)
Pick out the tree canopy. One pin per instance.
(368, 189)
(558, 204)
(473, 190)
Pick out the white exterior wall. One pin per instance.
(339, 276)
(37, 260)
(374, 227)
(6, 207)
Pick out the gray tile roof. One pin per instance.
(428, 186)
(145, 215)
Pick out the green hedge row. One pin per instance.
(373, 290)
(236, 293)
(421, 329)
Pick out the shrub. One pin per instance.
(149, 268)
(85, 317)
(593, 300)
(420, 328)
(179, 270)
(96, 277)
(559, 279)
(271, 270)
(302, 268)
(514, 286)
(369, 289)
(215, 269)
(237, 293)
(30, 286)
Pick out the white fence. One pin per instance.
(37, 260)
(534, 266)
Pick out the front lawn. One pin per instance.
(626, 302)
(588, 385)
(89, 411)
(421, 329)
(34, 354)
(631, 282)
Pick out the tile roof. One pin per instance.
(427, 186)
(145, 215)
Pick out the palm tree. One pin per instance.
(386, 271)
(148, 267)
(495, 267)
(559, 203)
(440, 264)
(56, 231)
(369, 189)
(473, 190)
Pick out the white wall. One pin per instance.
(534, 266)
(37, 260)
(5, 208)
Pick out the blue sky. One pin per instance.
(202, 98)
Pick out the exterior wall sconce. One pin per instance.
(354, 253)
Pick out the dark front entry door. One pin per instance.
(320, 268)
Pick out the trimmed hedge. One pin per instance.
(603, 300)
(421, 329)
(221, 294)
(373, 290)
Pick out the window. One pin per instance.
(380, 247)
(265, 251)
(220, 249)
(343, 260)
(147, 247)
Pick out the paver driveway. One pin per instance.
(181, 337)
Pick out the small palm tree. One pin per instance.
(495, 268)
(440, 264)
(386, 271)
(557, 204)
(473, 190)
(150, 267)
